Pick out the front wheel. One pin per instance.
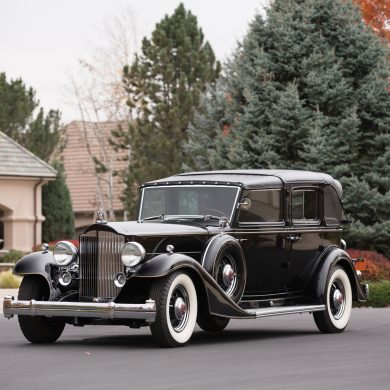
(176, 309)
(338, 303)
(38, 330)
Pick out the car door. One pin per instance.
(303, 236)
(260, 229)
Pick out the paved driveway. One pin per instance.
(272, 353)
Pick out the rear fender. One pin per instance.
(335, 257)
(218, 303)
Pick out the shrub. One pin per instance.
(12, 256)
(8, 280)
(378, 266)
(379, 294)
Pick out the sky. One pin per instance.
(41, 41)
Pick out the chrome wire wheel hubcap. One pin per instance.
(179, 308)
(227, 274)
(337, 299)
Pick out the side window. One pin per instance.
(332, 208)
(304, 205)
(264, 207)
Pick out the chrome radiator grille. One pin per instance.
(100, 260)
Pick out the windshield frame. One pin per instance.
(234, 206)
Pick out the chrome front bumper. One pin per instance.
(110, 310)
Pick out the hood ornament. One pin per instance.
(100, 216)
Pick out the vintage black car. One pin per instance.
(207, 247)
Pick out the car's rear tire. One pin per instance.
(212, 324)
(38, 330)
(335, 317)
(176, 309)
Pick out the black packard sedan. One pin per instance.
(207, 247)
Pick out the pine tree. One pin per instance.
(23, 120)
(17, 104)
(309, 89)
(57, 208)
(164, 84)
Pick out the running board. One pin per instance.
(281, 310)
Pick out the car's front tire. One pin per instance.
(176, 309)
(338, 303)
(38, 330)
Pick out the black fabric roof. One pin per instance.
(250, 178)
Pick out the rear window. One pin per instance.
(264, 207)
(332, 207)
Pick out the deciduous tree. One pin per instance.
(376, 13)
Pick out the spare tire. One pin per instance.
(224, 259)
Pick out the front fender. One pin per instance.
(36, 263)
(218, 302)
(332, 257)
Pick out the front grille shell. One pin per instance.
(100, 261)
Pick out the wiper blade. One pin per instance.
(161, 216)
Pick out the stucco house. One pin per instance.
(22, 175)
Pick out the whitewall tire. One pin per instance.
(176, 309)
(338, 310)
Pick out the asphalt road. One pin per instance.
(272, 353)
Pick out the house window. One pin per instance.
(264, 207)
(304, 205)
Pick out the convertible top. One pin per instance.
(249, 178)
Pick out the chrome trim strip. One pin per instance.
(110, 310)
(282, 310)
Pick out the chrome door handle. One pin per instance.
(293, 237)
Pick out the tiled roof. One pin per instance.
(18, 161)
(81, 144)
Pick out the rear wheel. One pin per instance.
(38, 330)
(338, 303)
(176, 309)
(212, 324)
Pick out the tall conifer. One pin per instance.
(164, 85)
(309, 88)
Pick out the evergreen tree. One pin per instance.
(57, 208)
(37, 132)
(43, 136)
(164, 84)
(309, 89)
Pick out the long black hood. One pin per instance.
(149, 228)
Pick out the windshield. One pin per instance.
(187, 201)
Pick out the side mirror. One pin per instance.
(245, 204)
(223, 222)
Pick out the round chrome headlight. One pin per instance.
(132, 253)
(64, 252)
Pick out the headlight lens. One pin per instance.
(132, 253)
(64, 252)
